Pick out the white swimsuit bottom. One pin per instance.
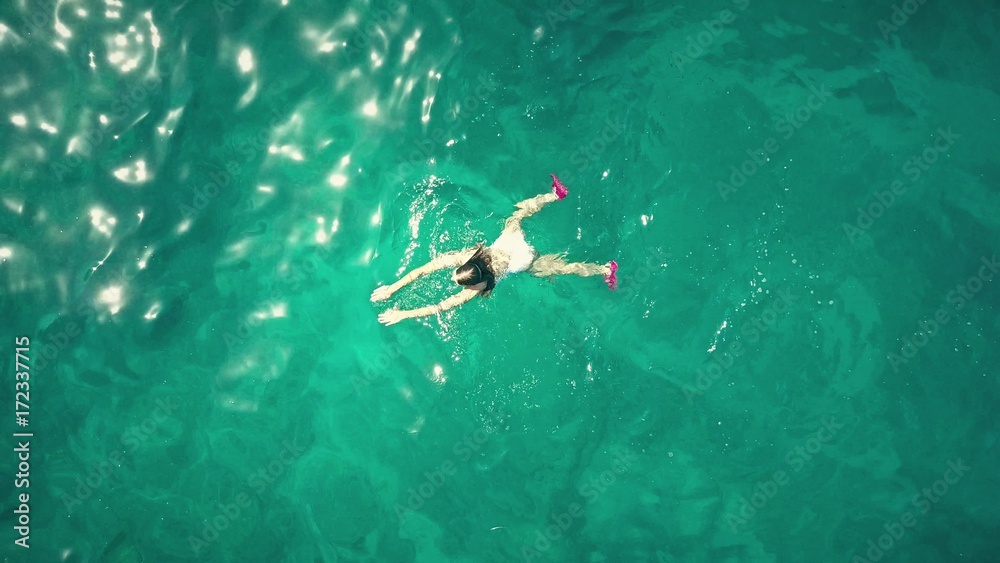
(520, 252)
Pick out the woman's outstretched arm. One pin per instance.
(393, 316)
(446, 260)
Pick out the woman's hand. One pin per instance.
(382, 293)
(392, 316)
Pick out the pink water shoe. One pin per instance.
(558, 187)
(612, 279)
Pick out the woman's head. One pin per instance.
(477, 272)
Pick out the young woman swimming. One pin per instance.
(481, 267)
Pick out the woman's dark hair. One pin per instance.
(477, 269)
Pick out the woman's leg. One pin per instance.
(554, 265)
(529, 207)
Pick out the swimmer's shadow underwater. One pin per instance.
(480, 268)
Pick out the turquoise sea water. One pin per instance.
(799, 365)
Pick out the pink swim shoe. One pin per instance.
(558, 187)
(612, 279)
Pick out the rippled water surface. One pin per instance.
(198, 199)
